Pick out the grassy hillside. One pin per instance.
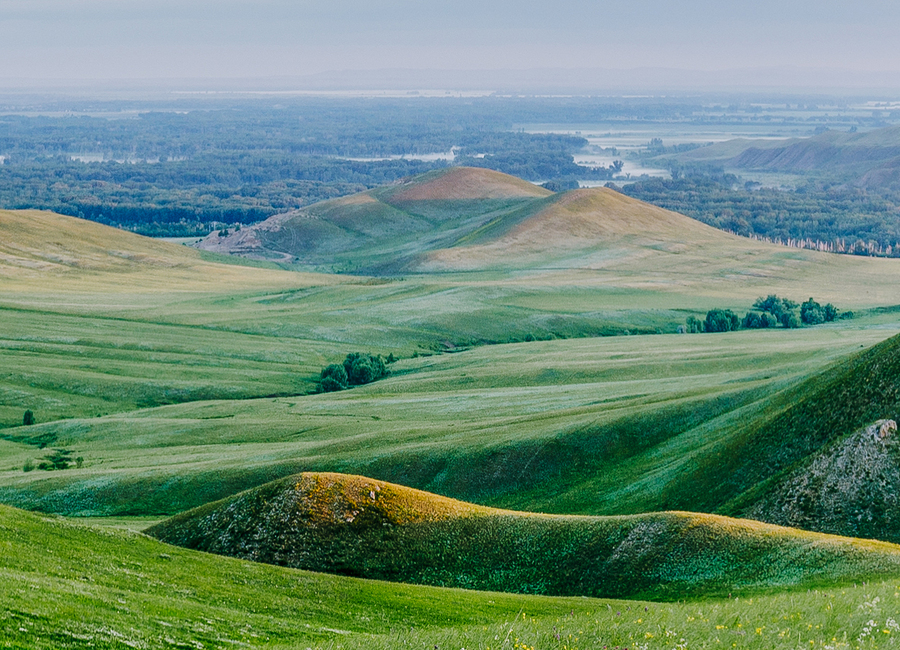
(386, 227)
(593, 426)
(871, 156)
(68, 585)
(41, 251)
(586, 228)
(357, 526)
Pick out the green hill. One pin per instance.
(357, 526)
(69, 585)
(472, 219)
(377, 227)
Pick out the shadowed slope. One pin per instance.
(357, 526)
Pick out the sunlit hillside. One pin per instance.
(361, 527)
(51, 252)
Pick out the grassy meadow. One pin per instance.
(543, 387)
(567, 426)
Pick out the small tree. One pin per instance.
(752, 321)
(364, 368)
(790, 320)
(812, 313)
(333, 378)
(28, 418)
(693, 325)
(774, 305)
(721, 320)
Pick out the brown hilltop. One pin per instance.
(576, 223)
(465, 183)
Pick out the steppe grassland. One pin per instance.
(684, 390)
(85, 352)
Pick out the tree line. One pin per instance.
(768, 312)
(833, 217)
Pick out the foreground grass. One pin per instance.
(68, 585)
(859, 617)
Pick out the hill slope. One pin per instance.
(49, 251)
(358, 526)
(585, 228)
(70, 585)
(376, 226)
(463, 219)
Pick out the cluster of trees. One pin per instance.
(842, 217)
(356, 370)
(770, 311)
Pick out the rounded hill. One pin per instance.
(464, 183)
(583, 228)
(363, 527)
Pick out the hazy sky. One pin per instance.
(134, 39)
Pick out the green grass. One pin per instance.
(356, 526)
(67, 585)
(560, 426)
(613, 425)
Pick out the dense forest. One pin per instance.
(186, 173)
(838, 218)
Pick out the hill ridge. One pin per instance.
(358, 526)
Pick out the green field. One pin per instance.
(67, 585)
(528, 384)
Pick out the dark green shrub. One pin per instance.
(790, 320)
(332, 378)
(28, 418)
(752, 321)
(721, 320)
(364, 368)
(775, 305)
(356, 370)
(693, 325)
(812, 313)
(57, 459)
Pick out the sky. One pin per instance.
(231, 39)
